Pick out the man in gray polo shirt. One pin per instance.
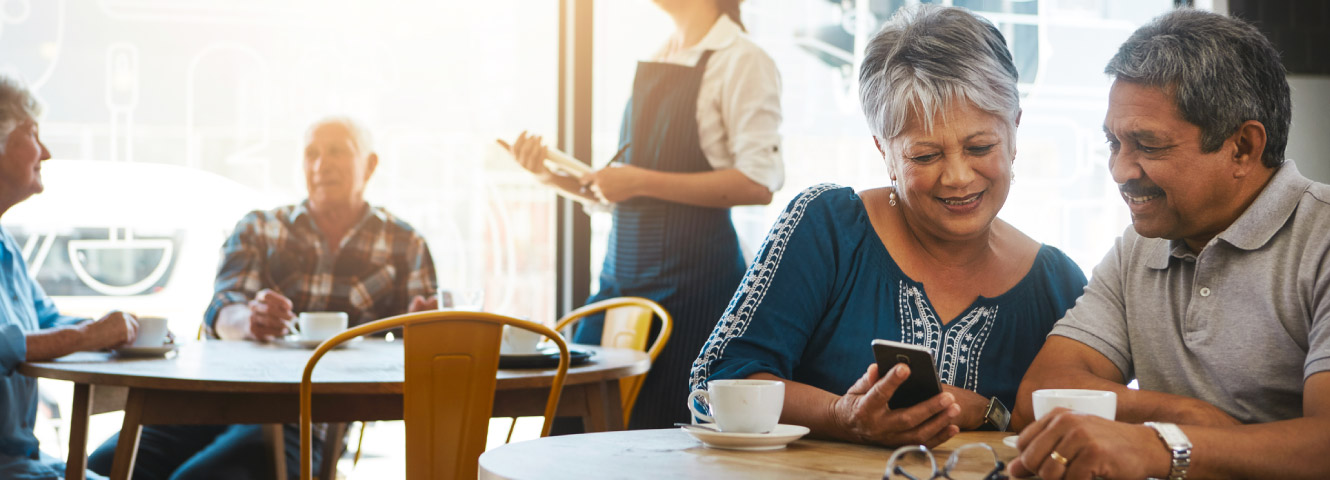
(1217, 299)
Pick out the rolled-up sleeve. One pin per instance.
(13, 348)
(240, 272)
(750, 109)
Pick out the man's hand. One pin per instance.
(863, 416)
(1091, 446)
(420, 304)
(269, 315)
(113, 330)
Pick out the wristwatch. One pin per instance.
(997, 415)
(1178, 446)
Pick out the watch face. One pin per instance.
(997, 414)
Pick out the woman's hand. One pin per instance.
(530, 154)
(973, 407)
(616, 182)
(862, 415)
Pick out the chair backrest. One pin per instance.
(627, 324)
(451, 358)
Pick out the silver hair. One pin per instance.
(17, 105)
(359, 134)
(1221, 72)
(928, 57)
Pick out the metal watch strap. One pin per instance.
(1179, 446)
(997, 415)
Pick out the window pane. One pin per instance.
(194, 113)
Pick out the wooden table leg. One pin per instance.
(604, 409)
(277, 440)
(77, 463)
(128, 447)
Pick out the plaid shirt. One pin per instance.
(381, 265)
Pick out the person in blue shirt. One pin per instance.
(30, 326)
(925, 261)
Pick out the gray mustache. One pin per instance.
(1135, 189)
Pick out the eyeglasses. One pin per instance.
(895, 470)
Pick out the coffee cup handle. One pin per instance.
(692, 405)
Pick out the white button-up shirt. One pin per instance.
(738, 103)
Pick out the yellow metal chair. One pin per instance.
(451, 361)
(627, 324)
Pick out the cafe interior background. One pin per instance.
(168, 120)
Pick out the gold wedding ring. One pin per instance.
(1057, 457)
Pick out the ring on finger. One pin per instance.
(1057, 457)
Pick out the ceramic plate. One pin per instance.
(293, 342)
(548, 358)
(145, 351)
(1010, 441)
(776, 439)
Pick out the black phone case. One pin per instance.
(922, 383)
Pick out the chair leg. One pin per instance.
(511, 427)
(360, 445)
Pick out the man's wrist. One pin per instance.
(1177, 448)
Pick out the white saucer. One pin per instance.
(293, 342)
(1010, 441)
(776, 439)
(145, 351)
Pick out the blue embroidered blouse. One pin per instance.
(823, 287)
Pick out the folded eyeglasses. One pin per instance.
(896, 470)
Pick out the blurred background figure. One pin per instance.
(699, 136)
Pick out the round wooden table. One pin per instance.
(232, 382)
(671, 453)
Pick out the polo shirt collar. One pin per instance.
(1257, 225)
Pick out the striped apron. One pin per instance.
(684, 257)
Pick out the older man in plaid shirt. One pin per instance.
(333, 252)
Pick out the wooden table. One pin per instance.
(671, 453)
(221, 382)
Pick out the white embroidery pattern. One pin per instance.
(753, 289)
(957, 350)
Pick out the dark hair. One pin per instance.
(1222, 71)
(731, 9)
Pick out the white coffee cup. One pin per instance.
(321, 325)
(741, 406)
(1095, 402)
(152, 332)
(464, 299)
(519, 341)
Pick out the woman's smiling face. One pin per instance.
(953, 178)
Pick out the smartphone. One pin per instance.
(922, 383)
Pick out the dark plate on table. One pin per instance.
(547, 358)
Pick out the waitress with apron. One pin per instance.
(701, 132)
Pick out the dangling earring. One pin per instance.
(891, 198)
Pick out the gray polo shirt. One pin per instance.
(1241, 325)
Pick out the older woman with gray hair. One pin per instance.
(925, 261)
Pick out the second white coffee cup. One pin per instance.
(519, 341)
(741, 406)
(152, 332)
(321, 325)
(1095, 402)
